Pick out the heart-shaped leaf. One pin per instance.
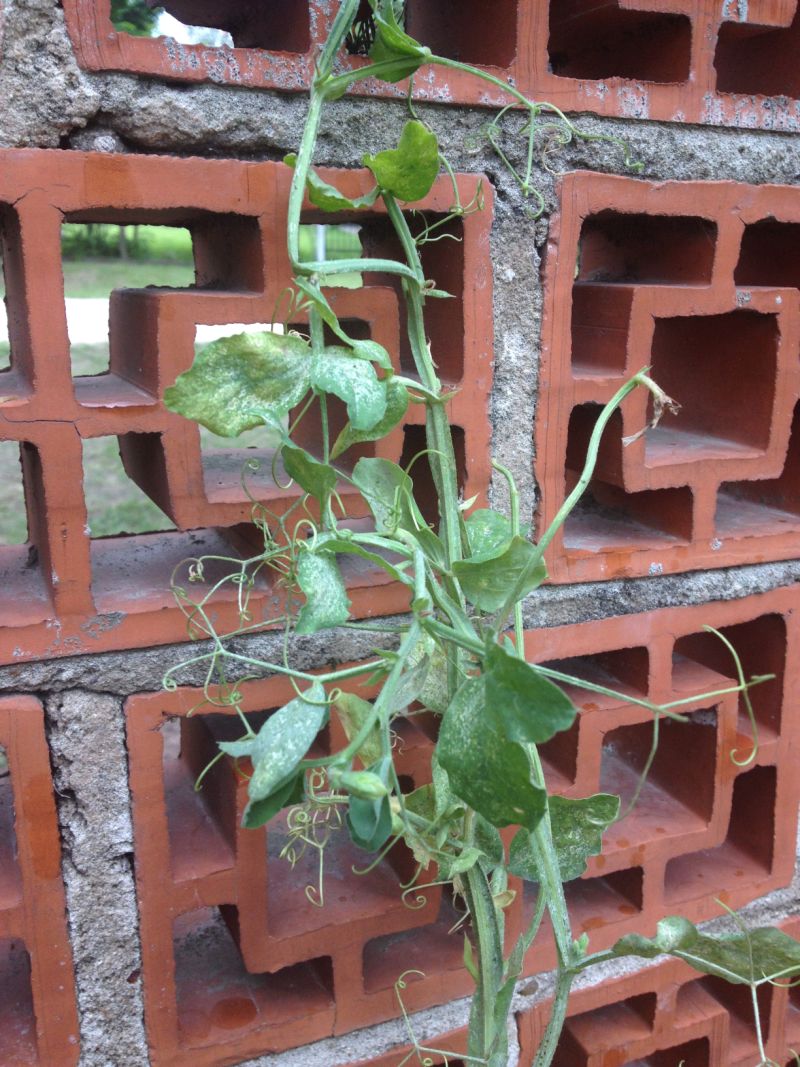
(234, 377)
(489, 772)
(318, 479)
(327, 603)
(524, 705)
(327, 197)
(488, 582)
(335, 370)
(578, 827)
(396, 407)
(408, 171)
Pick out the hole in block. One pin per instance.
(201, 822)
(17, 1019)
(468, 31)
(763, 506)
(737, 1001)
(274, 25)
(596, 902)
(691, 1054)
(443, 261)
(115, 504)
(601, 40)
(600, 323)
(721, 370)
(24, 592)
(761, 645)
(323, 242)
(677, 797)
(431, 949)
(609, 518)
(618, 248)
(745, 858)
(626, 670)
(604, 1029)
(758, 59)
(10, 875)
(421, 475)
(210, 1012)
(768, 255)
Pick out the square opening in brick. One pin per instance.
(17, 1018)
(761, 646)
(721, 369)
(763, 506)
(115, 504)
(10, 875)
(416, 461)
(691, 1054)
(433, 948)
(677, 797)
(324, 243)
(443, 261)
(595, 902)
(235, 1001)
(605, 1029)
(273, 25)
(768, 255)
(758, 59)
(25, 596)
(468, 31)
(129, 255)
(607, 516)
(738, 1003)
(745, 857)
(618, 248)
(590, 40)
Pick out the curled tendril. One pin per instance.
(420, 900)
(310, 826)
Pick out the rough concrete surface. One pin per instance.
(47, 101)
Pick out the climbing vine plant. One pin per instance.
(459, 654)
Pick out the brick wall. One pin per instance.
(138, 923)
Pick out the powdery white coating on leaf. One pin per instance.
(327, 604)
(355, 382)
(284, 740)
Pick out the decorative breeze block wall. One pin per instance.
(64, 592)
(669, 1015)
(38, 1013)
(218, 900)
(680, 60)
(701, 282)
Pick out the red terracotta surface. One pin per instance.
(704, 830)
(38, 1014)
(65, 592)
(666, 1016)
(700, 281)
(680, 60)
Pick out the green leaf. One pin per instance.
(396, 407)
(399, 53)
(318, 479)
(281, 744)
(327, 197)
(235, 376)
(345, 546)
(488, 582)
(355, 382)
(388, 491)
(578, 827)
(469, 961)
(363, 348)
(259, 812)
(489, 772)
(489, 841)
(488, 533)
(327, 603)
(408, 171)
(354, 712)
(748, 957)
(366, 348)
(525, 706)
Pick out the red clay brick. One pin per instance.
(673, 60)
(704, 831)
(66, 592)
(668, 1015)
(38, 1013)
(700, 281)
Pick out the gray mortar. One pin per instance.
(90, 773)
(48, 101)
